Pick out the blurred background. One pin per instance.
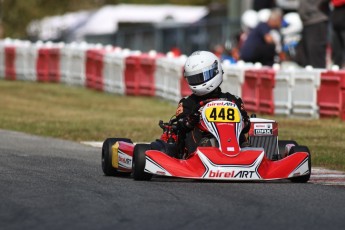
(162, 25)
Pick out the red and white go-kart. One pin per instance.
(266, 159)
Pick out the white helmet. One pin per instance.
(203, 72)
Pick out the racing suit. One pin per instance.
(189, 135)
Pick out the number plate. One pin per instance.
(223, 113)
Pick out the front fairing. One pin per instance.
(224, 121)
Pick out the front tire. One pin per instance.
(139, 161)
(303, 178)
(107, 156)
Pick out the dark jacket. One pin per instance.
(189, 137)
(313, 11)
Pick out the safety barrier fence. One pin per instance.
(291, 92)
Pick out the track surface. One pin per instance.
(53, 184)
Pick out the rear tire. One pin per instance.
(282, 144)
(139, 161)
(303, 178)
(107, 166)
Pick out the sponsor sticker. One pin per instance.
(125, 161)
(242, 174)
(230, 149)
(263, 129)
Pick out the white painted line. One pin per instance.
(98, 144)
(324, 170)
(328, 176)
(93, 143)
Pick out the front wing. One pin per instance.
(211, 164)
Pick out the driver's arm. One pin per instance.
(186, 120)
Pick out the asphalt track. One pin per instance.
(47, 183)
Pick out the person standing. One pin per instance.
(338, 25)
(312, 48)
(263, 4)
(260, 44)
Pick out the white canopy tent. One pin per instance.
(51, 28)
(106, 19)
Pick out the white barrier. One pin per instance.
(233, 77)
(32, 60)
(2, 59)
(66, 62)
(304, 92)
(77, 67)
(22, 60)
(114, 70)
(283, 92)
(173, 77)
(295, 92)
(161, 76)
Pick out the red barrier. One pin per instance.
(343, 104)
(139, 74)
(132, 74)
(10, 57)
(99, 66)
(147, 65)
(250, 91)
(90, 68)
(42, 64)
(266, 98)
(331, 95)
(185, 90)
(94, 68)
(257, 90)
(54, 65)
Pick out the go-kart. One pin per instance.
(266, 158)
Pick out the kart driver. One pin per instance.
(204, 74)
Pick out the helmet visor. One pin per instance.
(206, 74)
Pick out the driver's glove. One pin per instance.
(188, 122)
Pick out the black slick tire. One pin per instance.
(139, 161)
(282, 144)
(107, 166)
(303, 178)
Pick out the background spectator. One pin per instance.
(312, 47)
(260, 45)
(263, 4)
(288, 6)
(291, 33)
(224, 53)
(338, 38)
(249, 20)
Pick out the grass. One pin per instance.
(80, 114)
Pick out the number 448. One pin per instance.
(224, 114)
